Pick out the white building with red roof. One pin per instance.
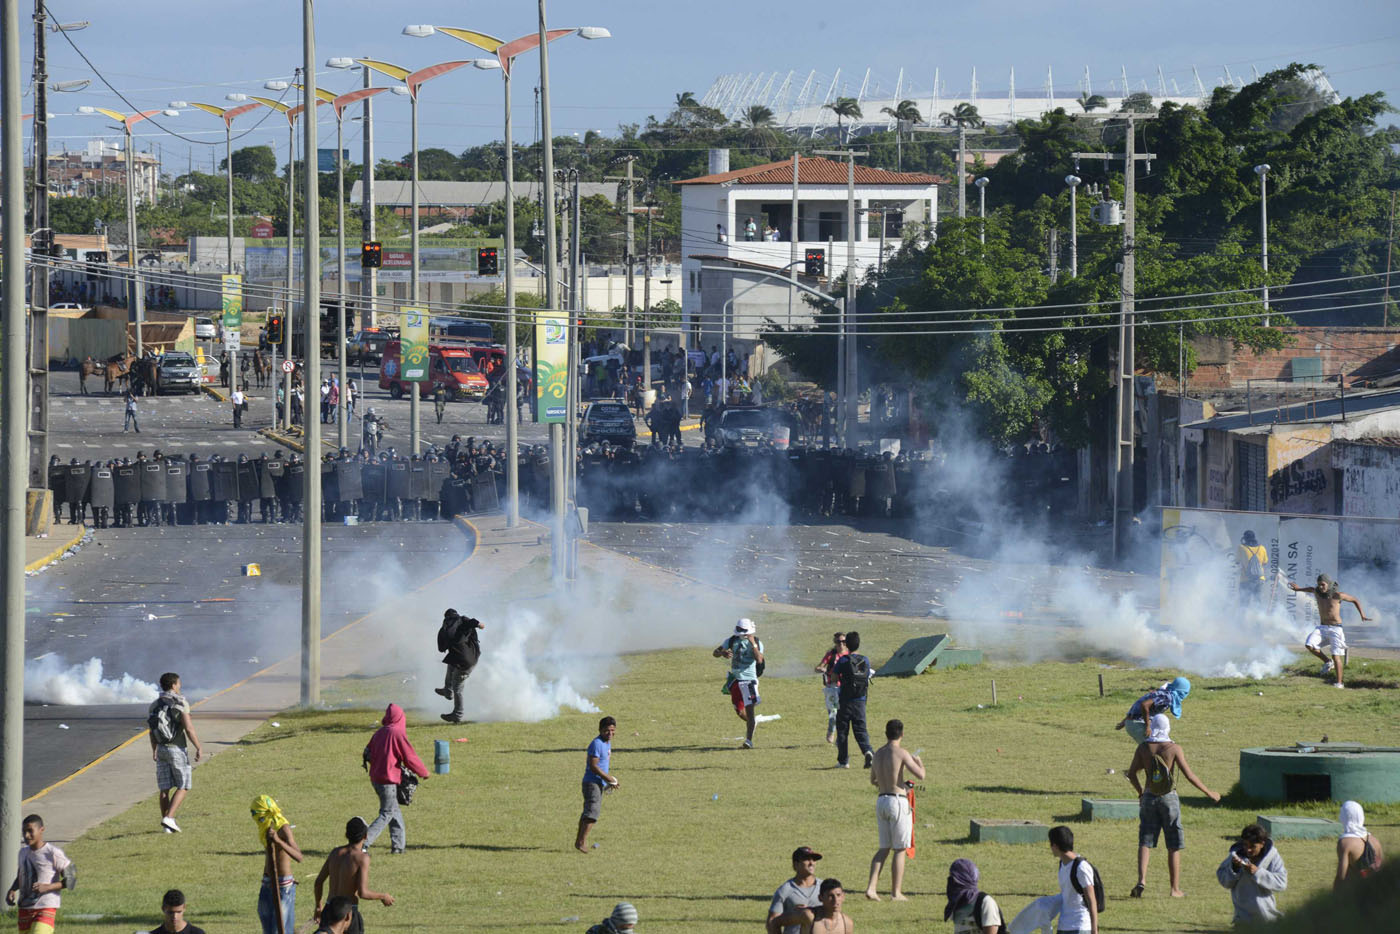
(742, 219)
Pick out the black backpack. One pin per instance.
(164, 722)
(977, 914)
(859, 684)
(1098, 883)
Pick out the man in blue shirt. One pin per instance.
(596, 778)
(745, 654)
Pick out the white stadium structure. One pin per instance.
(799, 102)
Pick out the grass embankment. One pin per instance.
(700, 832)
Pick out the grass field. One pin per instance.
(700, 832)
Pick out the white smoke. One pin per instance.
(51, 680)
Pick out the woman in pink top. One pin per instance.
(387, 753)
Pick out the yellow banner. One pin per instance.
(413, 343)
(551, 365)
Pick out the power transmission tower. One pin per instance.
(1121, 456)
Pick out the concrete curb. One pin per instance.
(215, 392)
(287, 441)
(77, 536)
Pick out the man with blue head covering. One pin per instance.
(1167, 697)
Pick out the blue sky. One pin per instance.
(156, 51)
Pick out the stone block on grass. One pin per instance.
(1007, 831)
(950, 658)
(1109, 809)
(1299, 828)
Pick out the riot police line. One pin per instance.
(173, 490)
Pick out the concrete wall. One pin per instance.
(1369, 478)
(1301, 478)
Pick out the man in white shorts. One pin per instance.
(892, 813)
(1329, 632)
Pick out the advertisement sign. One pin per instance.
(232, 302)
(1201, 558)
(325, 159)
(413, 342)
(551, 365)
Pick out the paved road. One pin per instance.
(144, 601)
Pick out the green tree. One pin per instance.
(1092, 102)
(253, 163)
(492, 305)
(962, 115)
(845, 108)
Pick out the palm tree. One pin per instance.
(686, 101)
(757, 116)
(961, 115)
(907, 113)
(1091, 102)
(758, 128)
(844, 107)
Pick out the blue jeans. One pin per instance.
(267, 911)
(390, 816)
(850, 717)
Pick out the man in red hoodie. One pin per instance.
(388, 752)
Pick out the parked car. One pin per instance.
(750, 426)
(178, 370)
(205, 329)
(608, 421)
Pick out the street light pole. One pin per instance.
(311, 274)
(1263, 172)
(15, 459)
(558, 550)
(415, 389)
(137, 293)
(981, 184)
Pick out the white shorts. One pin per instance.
(1330, 636)
(895, 822)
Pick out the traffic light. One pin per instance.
(274, 329)
(816, 263)
(487, 261)
(371, 254)
(94, 259)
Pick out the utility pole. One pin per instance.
(647, 322)
(575, 343)
(42, 248)
(794, 237)
(850, 404)
(311, 273)
(13, 461)
(1389, 242)
(631, 255)
(1124, 435)
(963, 133)
(369, 278)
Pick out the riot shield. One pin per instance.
(372, 482)
(483, 487)
(127, 486)
(267, 483)
(58, 479)
(880, 480)
(247, 481)
(454, 497)
(438, 474)
(201, 484)
(175, 490)
(152, 482)
(397, 480)
(102, 489)
(296, 481)
(349, 477)
(225, 488)
(417, 480)
(76, 483)
(330, 489)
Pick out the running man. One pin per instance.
(831, 691)
(745, 653)
(347, 870)
(892, 813)
(1329, 630)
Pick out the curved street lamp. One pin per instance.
(138, 298)
(413, 80)
(505, 53)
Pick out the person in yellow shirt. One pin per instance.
(1253, 560)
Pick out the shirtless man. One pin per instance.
(1159, 808)
(892, 807)
(1329, 631)
(347, 869)
(829, 918)
(278, 896)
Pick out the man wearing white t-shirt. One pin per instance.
(1079, 910)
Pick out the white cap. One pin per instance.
(745, 627)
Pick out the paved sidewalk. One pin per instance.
(40, 552)
(124, 777)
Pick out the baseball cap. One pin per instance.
(744, 627)
(805, 852)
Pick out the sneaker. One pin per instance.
(169, 824)
(1327, 669)
(843, 765)
(443, 692)
(869, 759)
(1339, 685)
(451, 718)
(831, 736)
(748, 744)
(165, 828)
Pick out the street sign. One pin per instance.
(288, 366)
(233, 342)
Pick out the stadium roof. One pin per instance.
(393, 192)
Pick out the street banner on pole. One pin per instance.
(551, 365)
(413, 342)
(233, 302)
